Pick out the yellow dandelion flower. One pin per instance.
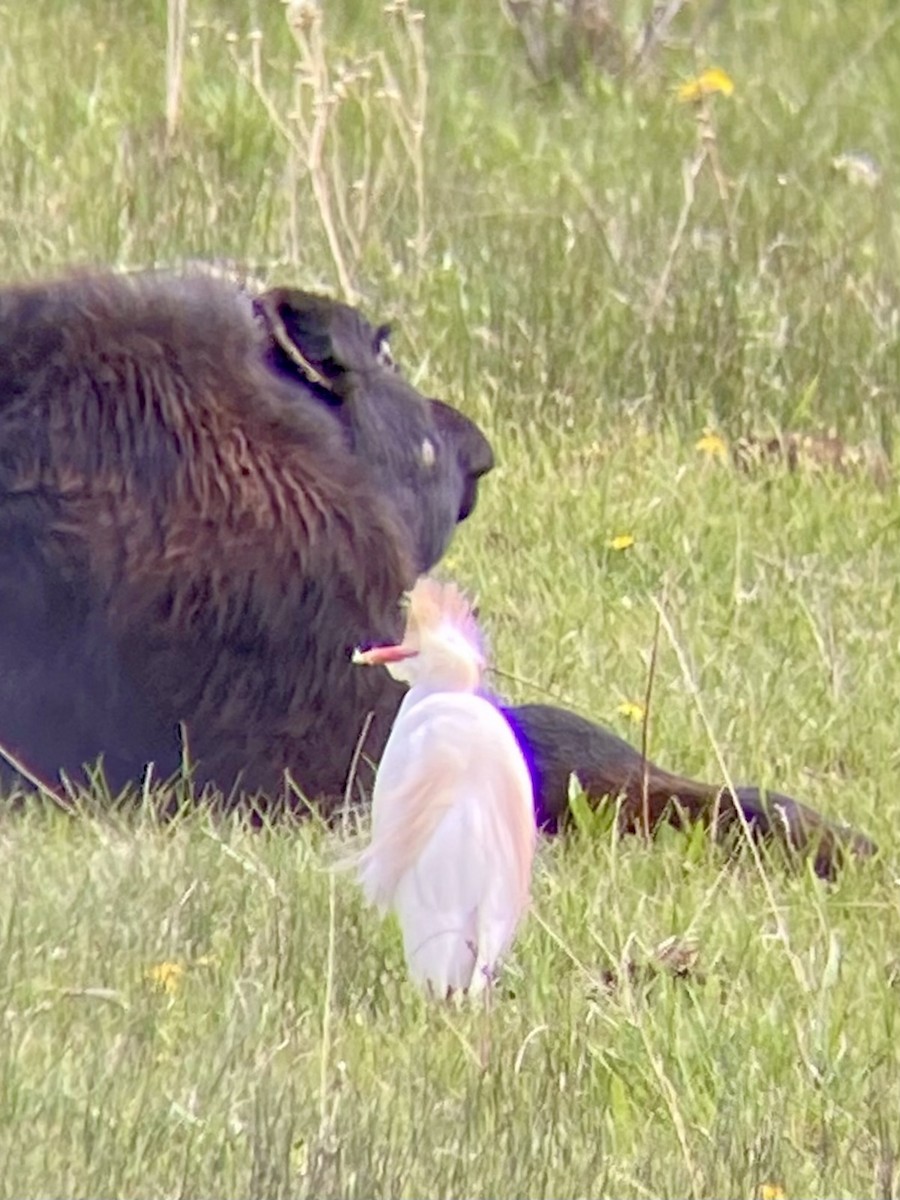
(165, 976)
(712, 444)
(771, 1191)
(622, 541)
(630, 710)
(707, 83)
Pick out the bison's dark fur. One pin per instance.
(197, 528)
(206, 501)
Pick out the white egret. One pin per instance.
(453, 829)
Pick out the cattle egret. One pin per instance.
(453, 829)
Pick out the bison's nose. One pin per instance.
(476, 458)
(480, 454)
(473, 450)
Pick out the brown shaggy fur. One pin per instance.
(183, 541)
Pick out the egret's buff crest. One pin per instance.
(432, 603)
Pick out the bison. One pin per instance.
(207, 499)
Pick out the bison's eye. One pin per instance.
(428, 452)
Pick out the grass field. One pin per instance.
(599, 273)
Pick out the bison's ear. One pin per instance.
(322, 338)
(381, 347)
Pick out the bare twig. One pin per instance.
(47, 790)
(706, 155)
(352, 176)
(176, 26)
(690, 173)
(707, 133)
(645, 729)
(354, 762)
(653, 31)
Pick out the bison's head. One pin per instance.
(423, 454)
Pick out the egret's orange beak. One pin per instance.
(379, 655)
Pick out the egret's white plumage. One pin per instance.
(453, 828)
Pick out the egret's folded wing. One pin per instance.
(413, 790)
(452, 752)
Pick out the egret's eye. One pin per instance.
(428, 452)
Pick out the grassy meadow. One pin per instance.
(618, 284)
